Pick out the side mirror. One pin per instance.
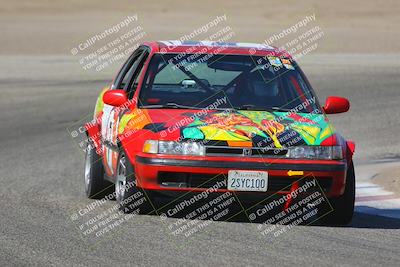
(115, 98)
(335, 104)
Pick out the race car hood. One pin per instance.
(232, 127)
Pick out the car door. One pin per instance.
(110, 122)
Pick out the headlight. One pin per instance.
(173, 148)
(315, 152)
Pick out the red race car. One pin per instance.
(234, 117)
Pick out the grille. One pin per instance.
(245, 151)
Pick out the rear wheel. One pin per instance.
(129, 197)
(343, 206)
(95, 185)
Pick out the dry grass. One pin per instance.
(53, 27)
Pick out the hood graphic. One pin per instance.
(239, 128)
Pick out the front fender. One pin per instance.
(94, 135)
(351, 147)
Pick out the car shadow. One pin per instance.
(373, 221)
(360, 220)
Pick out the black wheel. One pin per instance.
(95, 185)
(343, 206)
(129, 197)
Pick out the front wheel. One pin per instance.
(129, 197)
(95, 185)
(343, 206)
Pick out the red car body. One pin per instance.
(125, 126)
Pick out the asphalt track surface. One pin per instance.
(41, 176)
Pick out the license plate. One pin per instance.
(248, 180)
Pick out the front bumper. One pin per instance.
(171, 173)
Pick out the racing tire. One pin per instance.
(129, 197)
(95, 185)
(343, 206)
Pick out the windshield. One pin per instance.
(225, 82)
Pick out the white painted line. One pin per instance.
(373, 199)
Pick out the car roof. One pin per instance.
(210, 47)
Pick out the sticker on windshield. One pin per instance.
(275, 61)
(286, 62)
